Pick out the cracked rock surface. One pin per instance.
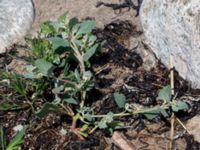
(16, 18)
(173, 27)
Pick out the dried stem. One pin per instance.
(172, 93)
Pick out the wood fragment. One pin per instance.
(122, 142)
(172, 119)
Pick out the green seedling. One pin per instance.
(15, 143)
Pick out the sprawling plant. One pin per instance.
(58, 76)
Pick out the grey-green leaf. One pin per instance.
(70, 101)
(30, 72)
(151, 114)
(46, 109)
(58, 42)
(102, 124)
(72, 23)
(179, 105)
(86, 27)
(120, 100)
(109, 117)
(58, 89)
(165, 93)
(164, 112)
(44, 67)
(92, 39)
(90, 52)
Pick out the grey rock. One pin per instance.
(172, 27)
(193, 127)
(16, 18)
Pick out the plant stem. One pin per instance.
(143, 110)
(93, 129)
(74, 121)
(68, 110)
(179, 121)
(69, 82)
(78, 56)
(171, 132)
(83, 95)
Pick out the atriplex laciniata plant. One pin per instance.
(58, 76)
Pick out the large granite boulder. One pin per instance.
(16, 18)
(173, 27)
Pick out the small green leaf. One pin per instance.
(46, 109)
(115, 125)
(2, 138)
(90, 52)
(39, 47)
(77, 75)
(64, 18)
(102, 125)
(86, 27)
(87, 113)
(17, 140)
(120, 100)
(87, 75)
(71, 101)
(5, 105)
(165, 93)
(72, 23)
(18, 84)
(164, 112)
(47, 28)
(79, 43)
(56, 26)
(58, 89)
(151, 114)
(44, 67)
(30, 74)
(92, 39)
(179, 105)
(59, 44)
(109, 117)
(88, 116)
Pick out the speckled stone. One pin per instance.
(173, 27)
(16, 18)
(193, 127)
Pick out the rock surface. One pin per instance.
(173, 27)
(82, 9)
(193, 127)
(16, 18)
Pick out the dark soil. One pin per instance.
(116, 69)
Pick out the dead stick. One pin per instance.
(180, 122)
(172, 93)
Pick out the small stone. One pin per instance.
(172, 27)
(193, 127)
(18, 128)
(63, 131)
